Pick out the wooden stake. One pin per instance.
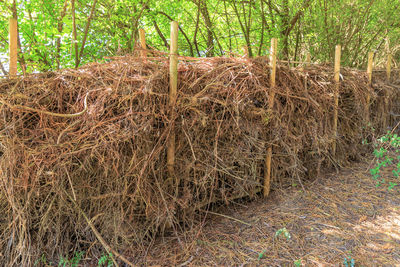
(267, 174)
(274, 50)
(246, 51)
(388, 67)
(385, 100)
(142, 37)
(336, 96)
(369, 72)
(173, 71)
(308, 58)
(369, 68)
(13, 46)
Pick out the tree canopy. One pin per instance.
(68, 33)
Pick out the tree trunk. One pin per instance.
(74, 34)
(92, 12)
(21, 59)
(60, 29)
(202, 4)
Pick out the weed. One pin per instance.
(283, 231)
(65, 262)
(42, 261)
(297, 263)
(105, 260)
(261, 255)
(385, 147)
(266, 120)
(349, 262)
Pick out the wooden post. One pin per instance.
(385, 99)
(388, 67)
(369, 72)
(246, 51)
(267, 173)
(308, 58)
(142, 37)
(173, 72)
(13, 46)
(336, 96)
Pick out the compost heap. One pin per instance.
(83, 151)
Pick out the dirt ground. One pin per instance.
(342, 216)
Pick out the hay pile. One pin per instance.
(99, 173)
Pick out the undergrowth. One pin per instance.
(387, 157)
(104, 261)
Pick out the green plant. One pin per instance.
(266, 120)
(297, 263)
(349, 262)
(65, 262)
(105, 260)
(42, 261)
(283, 231)
(261, 255)
(387, 153)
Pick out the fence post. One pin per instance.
(13, 46)
(246, 51)
(336, 96)
(142, 37)
(271, 98)
(369, 72)
(385, 100)
(308, 58)
(173, 71)
(388, 67)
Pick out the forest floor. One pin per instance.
(340, 217)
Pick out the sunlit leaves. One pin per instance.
(358, 25)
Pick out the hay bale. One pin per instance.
(107, 159)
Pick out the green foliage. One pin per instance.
(105, 260)
(297, 263)
(65, 262)
(261, 255)
(283, 231)
(385, 147)
(42, 261)
(211, 27)
(349, 262)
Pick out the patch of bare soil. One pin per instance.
(341, 216)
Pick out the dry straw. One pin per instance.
(62, 177)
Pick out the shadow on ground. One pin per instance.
(341, 216)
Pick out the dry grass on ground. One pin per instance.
(341, 216)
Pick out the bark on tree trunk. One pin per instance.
(74, 33)
(60, 27)
(21, 59)
(202, 4)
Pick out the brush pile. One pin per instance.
(83, 152)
